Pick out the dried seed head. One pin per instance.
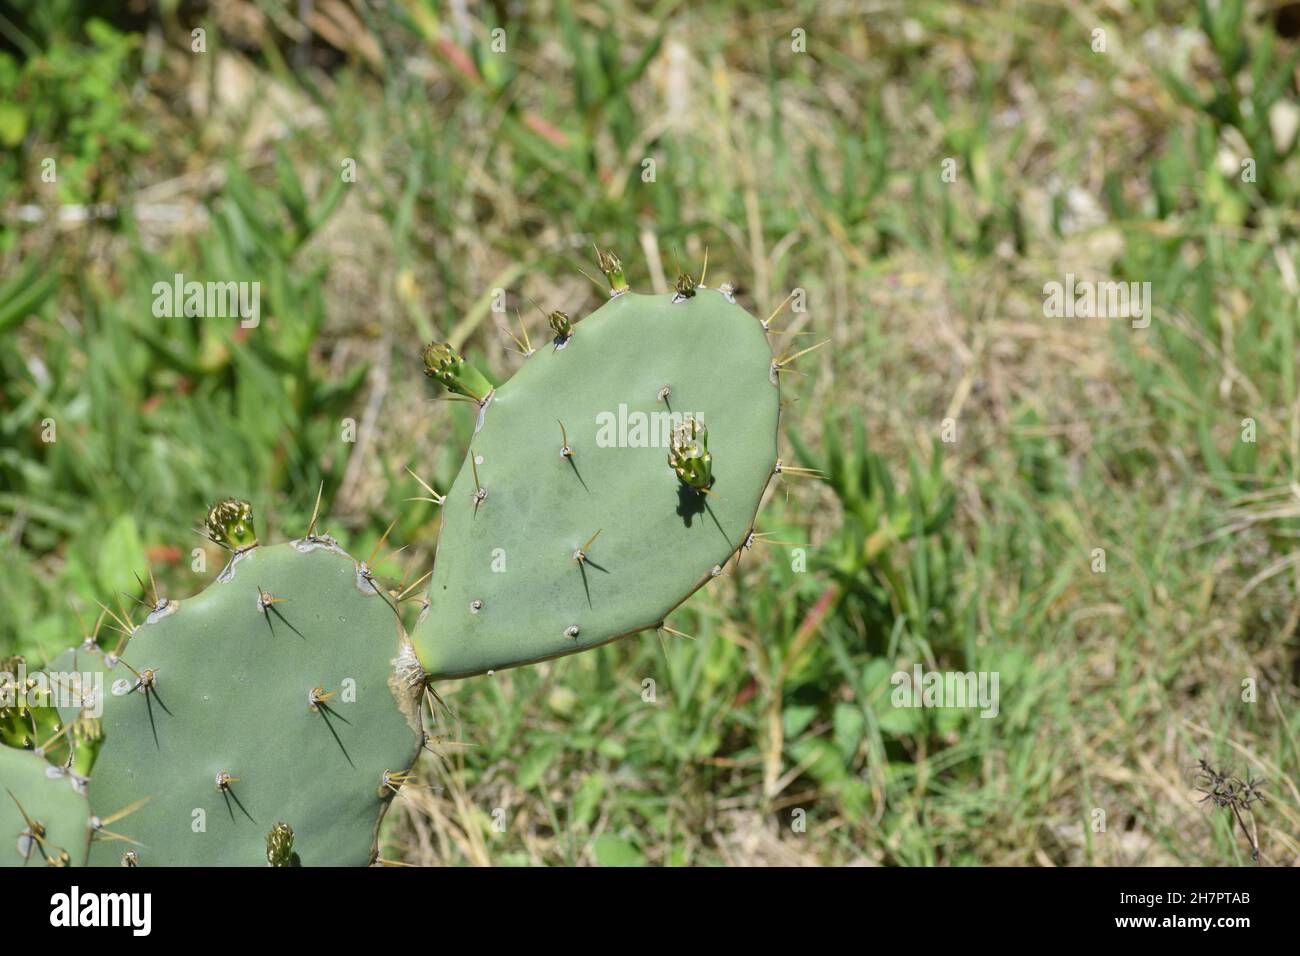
(230, 524)
(279, 845)
(443, 363)
(688, 453)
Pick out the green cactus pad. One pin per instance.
(507, 588)
(44, 815)
(233, 733)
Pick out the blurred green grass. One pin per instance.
(770, 737)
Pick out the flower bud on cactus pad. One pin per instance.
(688, 454)
(442, 362)
(230, 524)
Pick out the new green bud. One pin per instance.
(560, 324)
(442, 362)
(279, 845)
(613, 269)
(685, 287)
(230, 523)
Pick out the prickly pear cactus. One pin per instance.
(610, 478)
(273, 716)
(44, 816)
(283, 699)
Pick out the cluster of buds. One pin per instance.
(688, 454)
